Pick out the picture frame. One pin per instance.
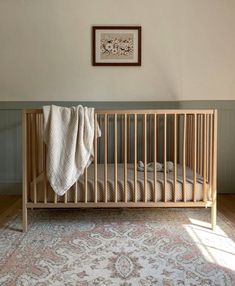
(116, 45)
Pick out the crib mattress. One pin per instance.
(130, 186)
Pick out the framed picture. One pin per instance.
(116, 45)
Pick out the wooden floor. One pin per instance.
(9, 204)
(226, 205)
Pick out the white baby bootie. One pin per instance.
(150, 167)
(169, 166)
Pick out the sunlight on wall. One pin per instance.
(216, 246)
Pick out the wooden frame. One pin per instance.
(106, 57)
(193, 145)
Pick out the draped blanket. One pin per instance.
(69, 135)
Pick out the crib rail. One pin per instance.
(184, 137)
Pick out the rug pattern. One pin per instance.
(114, 247)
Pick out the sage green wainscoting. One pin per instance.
(10, 136)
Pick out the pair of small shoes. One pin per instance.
(159, 166)
(150, 167)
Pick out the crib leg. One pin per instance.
(25, 218)
(213, 215)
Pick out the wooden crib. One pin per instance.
(188, 138)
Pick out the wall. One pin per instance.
(188, 50)
(45, 55)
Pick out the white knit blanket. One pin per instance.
(69, 135)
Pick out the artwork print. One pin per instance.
(116, 45)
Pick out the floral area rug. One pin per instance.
(118, 247)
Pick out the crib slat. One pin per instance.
(37, 149)
(191, 142)
(95, 159)
(201, 144)
(128, 138)
(187, 144)
(172, 138)
(85, 183)
(211, 151)
(155, 157)
(135, 157)
(65, 198)
(175, 156)
(198, 143)
(115, 157)
(189, 136)
(184, 157)
(165, 157)
(149, 135)
(29, 149)
(204, 161)
(125, 158)
(41, 143)
(214, 183)
(195, 159)
(145, 158)
(100, 142)
(105, 157)
(33, 129)
(107, 138)
(25, 157)
(207, 146)
(45, 173)
(76, 192)
(55, 198)
(122, 132)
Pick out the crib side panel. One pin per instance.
(181, 141)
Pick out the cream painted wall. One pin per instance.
(188, 50)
